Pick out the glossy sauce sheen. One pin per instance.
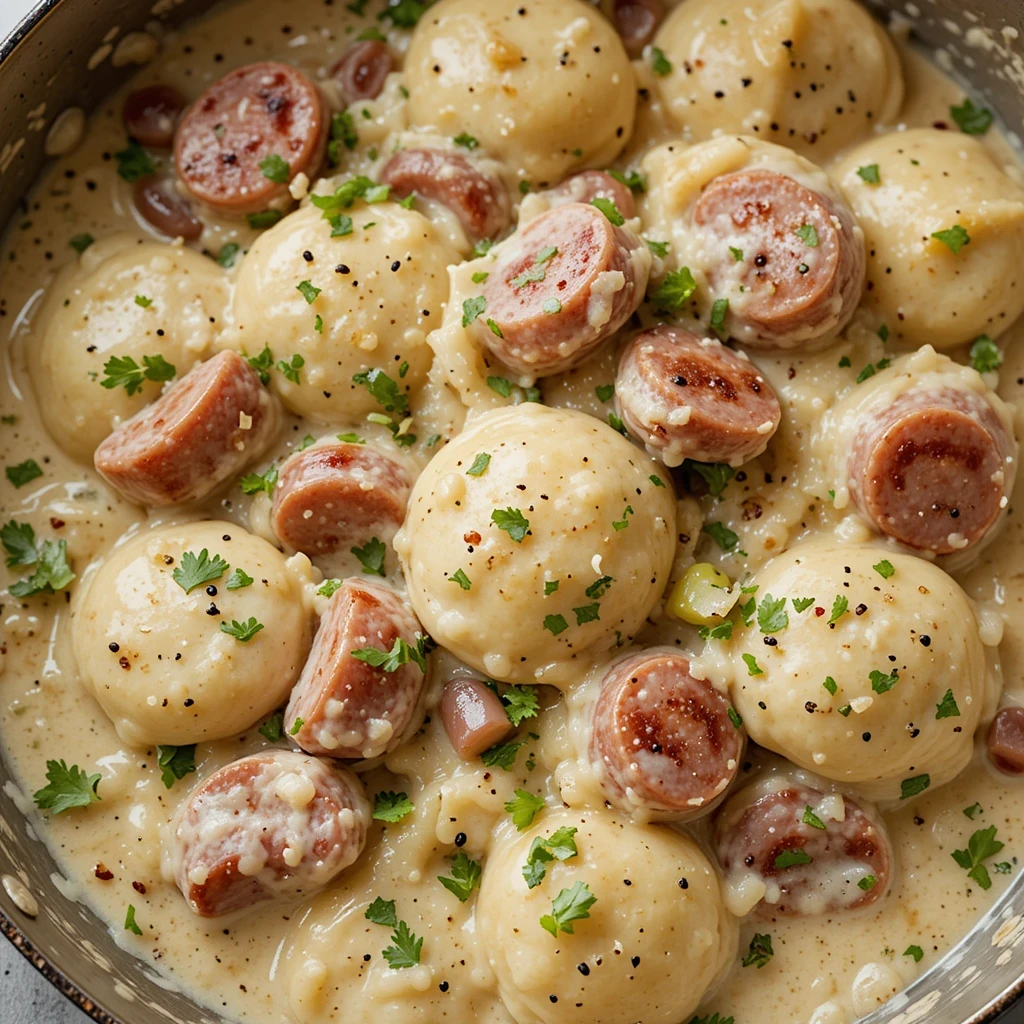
(314, 959)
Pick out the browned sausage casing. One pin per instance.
(363, 67)
(558, 287)
(193, 438)
(150, 115)
(688, 397)
(252, 113)
(780, 833)
(637, 21)
(478, 200)
(273, 825)
(930, 469)
(802, 262)
(1005, 740)
(344, 707)
(662, 739)
(473, 716)
(332, 497)
(159, 204)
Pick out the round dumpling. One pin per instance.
(174, 665)
(657, 936)
(814, 75)
(536, 536)
(373, 293)
(944, 290)
(897, 641)
(126, 302)
(543, 85)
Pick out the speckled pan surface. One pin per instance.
(62, 55)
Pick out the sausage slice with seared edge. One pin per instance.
(813, 852)
(558, 287)
(662, 739)
(343, 706)
(331, 497)
(688, 397)
(794, 252)
(478, 201)
(193, 438)
(253, 113)
(931, 469)
(270, 826)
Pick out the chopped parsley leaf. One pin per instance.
(760, 951)
(23, 472)
(882, 683)
(912, 787)
(884, 568)
(947, 707)
(555, 624)
(869, 173)
(568, 906)
(982, 845)
(954, 238)
(772, 616)
(792, 858)
(123, 371)
(197, 570)
(391, 807)
(753, 669)
(524, 808)
(660, 64)
(371, 556)
(461, 578)
(810, 818)
(66, 788)
(512, 521)
(675, 289)
(971, 120)
(275, 168)
(175, 762)
(725, 538)
(985, 355)
(609, 209)
(465, 877)
(401, 653)
(243, 632)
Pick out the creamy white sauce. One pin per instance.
(318, 960)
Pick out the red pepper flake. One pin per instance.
(139, 888)
(103, 873)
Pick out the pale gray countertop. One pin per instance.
(26, 997)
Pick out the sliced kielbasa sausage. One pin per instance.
(343, 705)
(478, 200)
(151, 114)
(789, 259)
(1005, 740)
(662, 739)
(814, 852)
(558, 287)
(189, 441)
(363, 67)
(331, 497)
(688, 397)
(930, 469)
(636, 22)
(589, 185)
(473, 716)
(245, 119)
(160, 205)
(269, 826)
